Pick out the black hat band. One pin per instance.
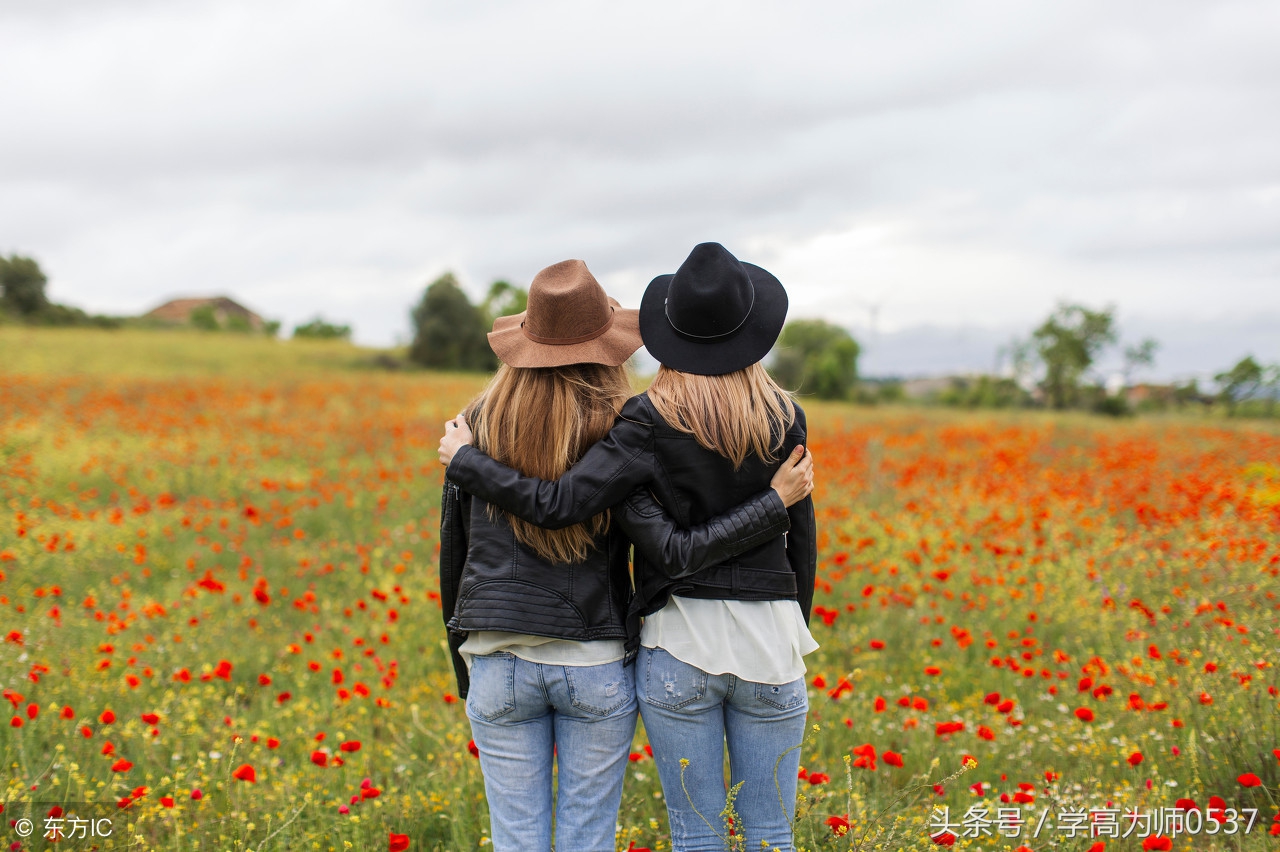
(745, 317)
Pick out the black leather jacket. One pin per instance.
(490, 581)
(693, 485)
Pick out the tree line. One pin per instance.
(1053, 367)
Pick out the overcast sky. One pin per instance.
(950, 170)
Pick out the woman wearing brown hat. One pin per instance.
(537, 618)
(722, 646)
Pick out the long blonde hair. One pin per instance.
(540, 420)
(736, 414)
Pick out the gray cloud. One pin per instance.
(957, 164)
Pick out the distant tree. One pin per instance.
(271, 328)
(1140, 355)
(205, 318)
(1271, 387)
(22, 285)
(239, 323)
(1240, 382)
(1067, 343)
(984, 392)
(814, 356)
(503, 299)
(318, 329)
(449, 331)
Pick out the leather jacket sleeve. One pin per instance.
(802, 540)
(680, 553)
(455, 522)
(603, 477)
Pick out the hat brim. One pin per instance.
(612, 348)
(738, 350)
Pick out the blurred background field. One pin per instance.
(219, 610)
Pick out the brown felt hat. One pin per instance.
(570, 320)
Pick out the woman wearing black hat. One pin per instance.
(721, 656)
(537, 618)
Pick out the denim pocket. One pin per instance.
(493, 686)
(781, 696)
(671, 683)
(599, 690)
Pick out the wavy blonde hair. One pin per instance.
(736, 415)
(540, 420)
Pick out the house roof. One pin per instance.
(179, 310)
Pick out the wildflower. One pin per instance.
(398, 842)
(892, 758)
(1158, 842)
(245, 772)
(1084, 714)
(1135, 758)
(839, 825)
(1249, 780)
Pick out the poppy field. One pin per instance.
(219, 621)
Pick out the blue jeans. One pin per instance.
(690, 714)
(520, 712)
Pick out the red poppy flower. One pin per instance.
(1159, 843)
(107, 717)
(350, 745)
(245, 772)
(819, 778)
(1084, 714)
(398, 842)
(1249, 780)
(839, 825)
(879, 704)
(892, 758)
(1135, 758)
(946, 838)
(121, 765)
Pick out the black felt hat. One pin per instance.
(715, 315)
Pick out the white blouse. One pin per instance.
(760, 641)
(547, 650)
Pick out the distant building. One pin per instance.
(225, 310)
(1151, 394)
